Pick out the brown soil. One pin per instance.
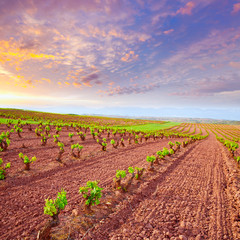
(193, 195)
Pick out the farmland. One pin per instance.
(191, 192)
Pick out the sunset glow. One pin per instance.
(121, 57)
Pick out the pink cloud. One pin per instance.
(111, 83)
(168, 31)
(236, 8)
(86, 80)
(128, 57)
(234, 64)
(187, 9)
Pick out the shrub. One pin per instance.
(171, 144)
(56, 138)
(3, 169)
(122, 143)
(70, 136)
(178, 144)
(47, 129)
(38, 132)
(52, 208)
(61, 151)
(18, 130)
(82, 136)
(165, 152)
(103, 144)
(160, 155)
(139, 172)
(114, 144)
(131, 170)
(44, 139)
(232, 146)
(171, 151)
(78, 148)
(27, 161)
(61, 146)
(58, 129)
(185, 143)
(92, 193)
(151, 159)
(4, 141)
(120, 174)
(136, 139)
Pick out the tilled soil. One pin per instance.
(193, 195)
(190, 200)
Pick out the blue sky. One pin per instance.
(150, 58)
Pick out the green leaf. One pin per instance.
(26, 159)
(151, 158)
(131, 170)
(8, 165)
(120, 174)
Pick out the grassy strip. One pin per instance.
(15, 121)
(151, 126)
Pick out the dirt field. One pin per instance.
(193, 195)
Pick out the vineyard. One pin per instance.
(81, 177)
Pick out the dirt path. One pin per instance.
(188, 201)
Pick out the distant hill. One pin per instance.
(179, 119)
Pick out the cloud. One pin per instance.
(187, 9)
(86, 80)
(210, 86)
(128, 57)
(77, 84)
(235, 64)
(3, 71)
(11, 51)
(46, 79)
(16, 80)
(168, 31)
(236, 8)
(207, 50)
(111, 83)
(134, 89)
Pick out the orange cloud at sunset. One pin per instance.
(187, 9)
(47, 80)
(128, 57)
(12, 52)
(76, 84)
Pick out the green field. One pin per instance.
(15, 121)
(151, 126)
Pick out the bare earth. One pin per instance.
(193, 195)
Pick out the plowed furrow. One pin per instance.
(189, 200)
(34, 190)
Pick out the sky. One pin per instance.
(120, 57)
